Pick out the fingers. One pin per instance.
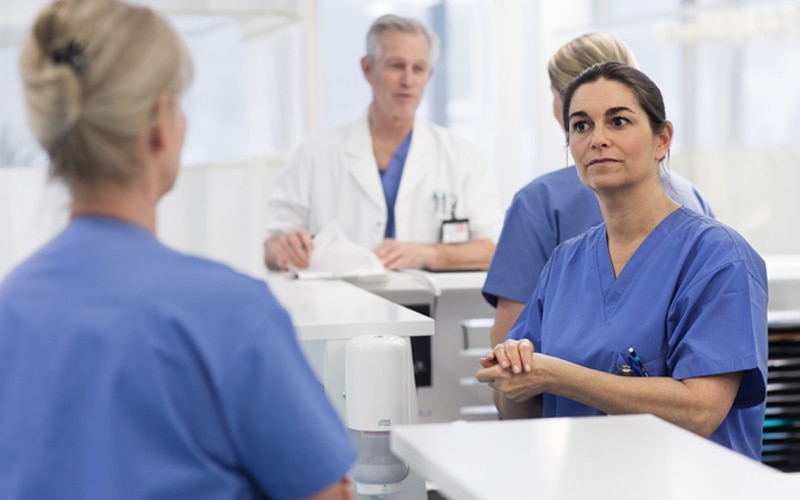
(391, 253)
(486, 362)
(291, 249)
(514, 354)
(297, 246)
(307, 240)
(526, 354)
(404, 254)
(487, 375)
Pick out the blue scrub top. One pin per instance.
(547, 211)
(131, 371)
(692, 301)
(390, 180)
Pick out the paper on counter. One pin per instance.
(336, 256)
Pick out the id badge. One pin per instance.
(455, 231)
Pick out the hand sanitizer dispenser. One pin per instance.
(378, 385)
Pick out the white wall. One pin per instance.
(32, 209)
(219, 212)
(733, 113)
(215, 211)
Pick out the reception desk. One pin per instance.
(599, 458)
(326, 314)
(325, 310)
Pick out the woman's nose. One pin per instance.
(599, 139)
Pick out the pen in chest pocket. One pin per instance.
(636, 363)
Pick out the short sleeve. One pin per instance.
(718, 324)
(287, 434)
(526, 241)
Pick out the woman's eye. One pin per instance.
(579, 126)
(619, 121)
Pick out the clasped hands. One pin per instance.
(510, 368)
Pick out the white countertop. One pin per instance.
(418, 280)
(633, 457)
(328, 310)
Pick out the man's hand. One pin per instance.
(403, 254)
(292, 248)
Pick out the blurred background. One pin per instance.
(269, 72)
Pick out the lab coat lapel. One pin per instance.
(421, 158)
(361, 163)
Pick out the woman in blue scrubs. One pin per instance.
(676, 297)
(129, 370)
(556, 206)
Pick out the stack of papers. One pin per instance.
(336, 256)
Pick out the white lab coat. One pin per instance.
(334, 177)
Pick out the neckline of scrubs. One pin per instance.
(614, 287)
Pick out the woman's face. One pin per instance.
(610, 137)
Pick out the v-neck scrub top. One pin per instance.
(692, 301)
(549, 210)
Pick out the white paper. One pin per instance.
(336, 256)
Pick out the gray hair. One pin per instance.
(406, 25)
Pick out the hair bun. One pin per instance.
(53, 94)
(71, 55)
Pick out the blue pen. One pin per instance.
(637, 361)
(634, 367)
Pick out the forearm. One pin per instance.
(698, 404)
(510, 410)
(504, 318)
(476, 254)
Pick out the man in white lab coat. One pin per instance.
(416, 194)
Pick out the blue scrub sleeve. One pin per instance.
(719, 325)
(526, 241)
(284, 428)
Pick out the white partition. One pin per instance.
(215, 211)
(219, 211)
(32, 209)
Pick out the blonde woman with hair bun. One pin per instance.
(129, 370)
(557, 206)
